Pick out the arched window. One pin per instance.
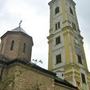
(12, 45)
(24, 47)
(71, 11)
(56, 10)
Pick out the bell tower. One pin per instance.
(66, 52)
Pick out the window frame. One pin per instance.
(71, 11)
(57, 25)
(73, 26)
(57, 10)
(57, 40)
(83, 78)
(79, 59)
(24, 47)
(58, 59)
(12, 45)
(2, 46)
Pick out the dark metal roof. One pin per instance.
(18, 29)
(7, 62)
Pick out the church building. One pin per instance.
(16, 70)
(67, 66)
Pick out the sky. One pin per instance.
(35, 21)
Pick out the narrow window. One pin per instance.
(1, 46)
(71, 11)
(12, 45)
(79, 59)
(57, 26)
(73, 26)
(56, 10)
(58, 40)
(24, 47)
(83, 78)
(58, 59)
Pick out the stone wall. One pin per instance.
(25, 77)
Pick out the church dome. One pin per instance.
(18, 29)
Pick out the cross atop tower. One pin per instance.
(20, 23)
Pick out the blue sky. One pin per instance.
(35, 17)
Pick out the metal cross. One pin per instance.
(20, 23)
